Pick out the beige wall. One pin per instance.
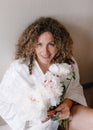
(76, 15)
(82, 33)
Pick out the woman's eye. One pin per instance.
(39, 44)
(51, 44)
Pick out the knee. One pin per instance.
(82, 118)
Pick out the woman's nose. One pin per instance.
(45, 51)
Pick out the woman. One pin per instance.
(42, 87)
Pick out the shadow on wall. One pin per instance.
(2, 122)
(83, 51)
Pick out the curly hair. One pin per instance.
(62, 39)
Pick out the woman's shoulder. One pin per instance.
(16, 66)
(17, 63)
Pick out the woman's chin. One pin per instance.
(46, 62)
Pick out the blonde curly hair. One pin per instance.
(62, 39)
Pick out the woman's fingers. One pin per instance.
(59, 108)
(63, 115)
(63, 111)
(46, 120)
(52, 113)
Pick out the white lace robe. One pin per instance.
(15, 91)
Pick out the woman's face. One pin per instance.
(45, 48)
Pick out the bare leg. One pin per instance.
(82, 118)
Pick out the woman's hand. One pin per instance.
(46, 119)
(64, 109)
(51, 113)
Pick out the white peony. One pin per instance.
(62, 70)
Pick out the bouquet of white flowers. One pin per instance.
(65, 73)
(48, 93)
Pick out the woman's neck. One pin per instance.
(44, 67)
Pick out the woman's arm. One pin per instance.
(75, 90)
